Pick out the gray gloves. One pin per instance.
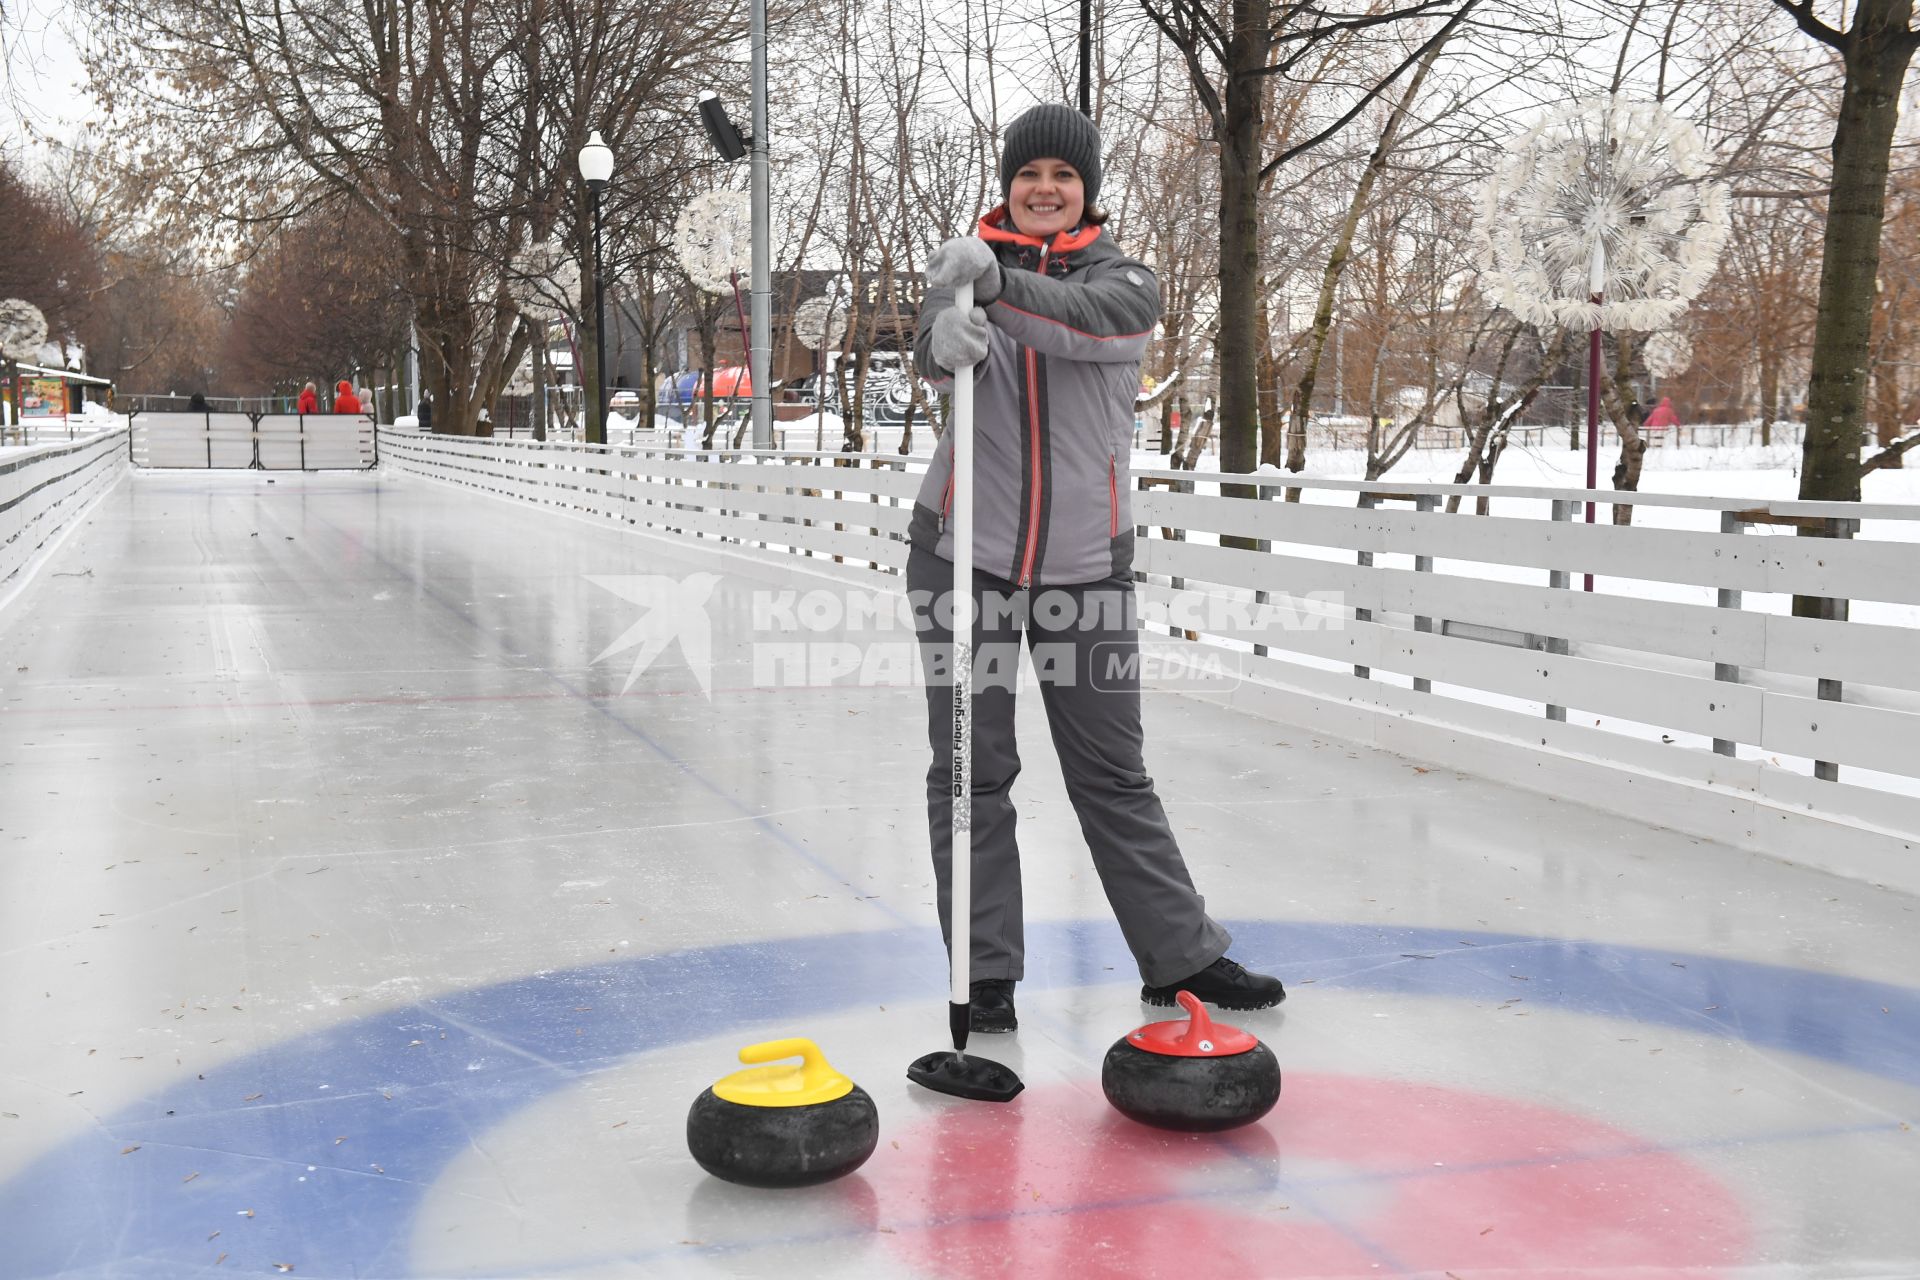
(959, 337)
(965, 258)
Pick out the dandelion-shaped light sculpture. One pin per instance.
(820, 323)
(713, 238)
(23, 330)
(1602, 217)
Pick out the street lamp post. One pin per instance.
(596, 167)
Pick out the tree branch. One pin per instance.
(1433, 42)
(1802, 11)
(1891, 455)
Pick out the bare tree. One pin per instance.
(453, 126)
(1232, 55)
(1875, 50)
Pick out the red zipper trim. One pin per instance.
(1033, 436)
(1113, 498)
(946, 498)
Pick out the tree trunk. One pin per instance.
(1769, 391)
(1633, 443)
(1238, 409)
(856, 428)
(1886, 384)
(1273, 423)
(1877, 52)
(707, 345)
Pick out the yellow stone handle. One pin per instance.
(815, 1070)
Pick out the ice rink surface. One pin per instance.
(353, 922)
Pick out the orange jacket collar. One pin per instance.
(997, 227)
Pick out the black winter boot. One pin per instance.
(993, 1006)
(1223, 983)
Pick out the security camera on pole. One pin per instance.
(1602, 217)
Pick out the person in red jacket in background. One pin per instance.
(309, 400)
(344, 401)
(1662, 420)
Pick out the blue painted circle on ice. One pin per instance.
(84, 1209)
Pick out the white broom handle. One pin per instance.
(961, 429)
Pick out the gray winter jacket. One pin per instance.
(1053, 410)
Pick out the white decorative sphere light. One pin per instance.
(1604, 196)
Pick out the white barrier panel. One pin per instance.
(1682, 687)
(278, 442)
(315, 442)
(43, 488)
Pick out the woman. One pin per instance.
(344, 401)
(1060, 322)
(309, 400)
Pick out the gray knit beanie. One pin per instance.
(1052, 130)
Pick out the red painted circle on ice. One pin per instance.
(1348, 1176)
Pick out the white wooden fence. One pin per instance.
(267, 442)
(1680, 688)
(44, 488)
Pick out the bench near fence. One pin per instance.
(1681, 690)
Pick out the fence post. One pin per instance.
(1730, 522)
(1834, 608)
(1559, 580)
(1365, 561)
(1424, 503)
(1261, 595)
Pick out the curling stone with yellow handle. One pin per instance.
(783, 1125)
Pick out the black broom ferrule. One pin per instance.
(960, 1021)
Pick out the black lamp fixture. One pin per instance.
(596, 168)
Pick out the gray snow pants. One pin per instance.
(1084, 648)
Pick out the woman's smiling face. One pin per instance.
(1047, 197)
